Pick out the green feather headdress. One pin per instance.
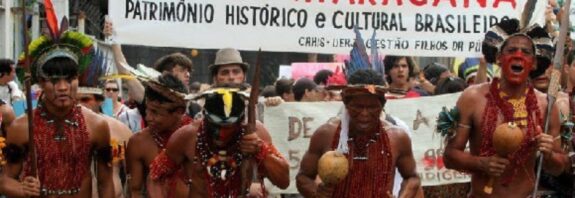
(69, 44)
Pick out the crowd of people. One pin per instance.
(173, 137)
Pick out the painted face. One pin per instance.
(223, 121)
(182, 74)
(223, 126)
(59, 92)
(229, 74)
(159, 118)
(517, 59)
(364, 112)
(223, 134)
(399, 72)
(215, 110)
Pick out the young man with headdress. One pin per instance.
(212, 150)
(175, 64)
(67, 136)
(509, 100)
(374, 148)
(93, 99)
(165, 107)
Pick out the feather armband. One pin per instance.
(447, 122)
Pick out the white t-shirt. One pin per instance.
(10, 92)
(132, 118)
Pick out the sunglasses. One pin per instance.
(112, 89)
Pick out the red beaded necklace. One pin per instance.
(161, 139)
(62, 145)
(370, 166)
(496, 106)
(221, 172)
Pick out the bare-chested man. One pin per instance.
(165, 108)
(564, 185)
(93, 98)
(510, 99)
(374, 147)
(66, 136)
(213, 149)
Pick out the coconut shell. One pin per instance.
(507, 139)
(332, 167)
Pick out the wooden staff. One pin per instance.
(28, 85)
(248, 165)
(554, 82)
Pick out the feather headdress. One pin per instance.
(100, 68)
(225, 104)
(360, 60)
(499, 33)
(59, 42)
(167, 86)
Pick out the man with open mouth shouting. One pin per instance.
(510, 101)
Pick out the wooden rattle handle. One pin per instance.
(488, 189)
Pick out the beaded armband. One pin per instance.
(265, 150)
(104, 154)
(14, 153)
(162, 166)
(448, 122)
